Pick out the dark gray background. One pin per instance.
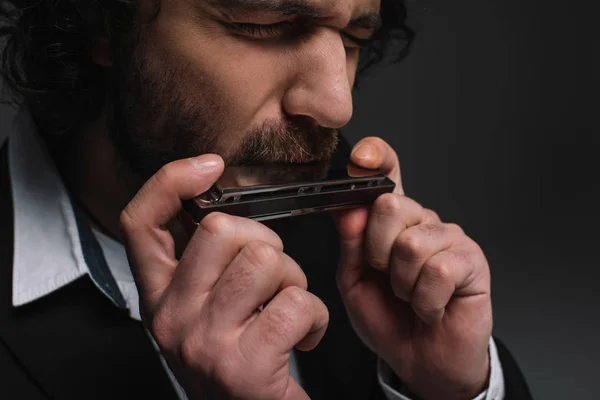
(494, 116)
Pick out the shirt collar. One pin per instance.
(47, 249)
(53, 244)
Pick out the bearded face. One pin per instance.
(256, 83)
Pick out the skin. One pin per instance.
(417, 290)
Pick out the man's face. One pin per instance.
(256, 81)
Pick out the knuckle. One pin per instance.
(237, 281)
(218, 224)
(431, 229)
(472, 246)
(477, 258)
(260, 254)
(388, 204)
(411, 205)
(298, 299)
(440, 271)
(455, 228)
(410, 245)
(258, 259)
(432, 214)
(279, 322)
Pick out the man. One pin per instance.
(131, 107)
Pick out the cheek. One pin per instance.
(248, 78)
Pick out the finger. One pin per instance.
(390, 215)
(294, 318)
(215, 244)
(432, 215)
(412, 248)
(295, 391)
(439, 279)
(149, 244)
(255, 276)
(351, 227)
(375, 153)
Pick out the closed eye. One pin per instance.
(265, 31)
(362, 43)
(288, 29)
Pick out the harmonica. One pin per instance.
(271, 192)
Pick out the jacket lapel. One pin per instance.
(74, 343)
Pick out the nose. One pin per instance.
(321, 88)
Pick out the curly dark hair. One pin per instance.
(45, 60)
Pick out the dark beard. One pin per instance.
(286, 142)
(154, 118)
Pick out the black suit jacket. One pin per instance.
(75, 344)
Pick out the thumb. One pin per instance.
(375, 153)
(351, 225)
(150, 246)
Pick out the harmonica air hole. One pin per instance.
(309, 190)
(374, 183)
(230, 199)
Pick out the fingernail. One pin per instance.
(205, 162)
(363, 151)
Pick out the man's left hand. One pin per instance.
(417, 290)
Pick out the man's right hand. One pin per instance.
(205, 310)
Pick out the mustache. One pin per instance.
(286, 142)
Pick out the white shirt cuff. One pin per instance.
(495, 390)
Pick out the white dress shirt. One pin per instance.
(48, 252)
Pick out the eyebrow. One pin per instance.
(300, 8)
(284, 7)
